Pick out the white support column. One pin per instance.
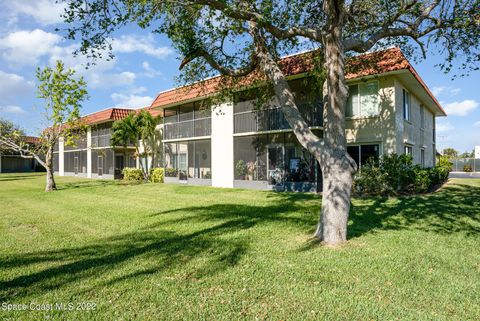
(89, 152)
(61, 159)
(222, 145)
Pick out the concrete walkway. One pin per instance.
(464, 175)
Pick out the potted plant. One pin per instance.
(241, 169)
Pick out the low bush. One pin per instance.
(396, 174)
(423, 181)
(467, 168)
(156, 175)
(438, 175)
(444, 161)
(171, 172)
(132, 174)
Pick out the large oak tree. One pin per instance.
(239, 37)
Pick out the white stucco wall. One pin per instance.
(410, 132)
(61, 162)
(376, 129)
(89, 152)
(222, 145)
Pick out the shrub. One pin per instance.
(156, 175)
(170, 172)
(132, 174)
(467, 168)
(395, 174)
(399, 172)
(371, 181)
(423, 181)
(444, 161)
(438, 175)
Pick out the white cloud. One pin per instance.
(460, 108)
(131, 100)
(45, 12)
(437, 90)
(444, 127)
(477, 123)
(13, 85)
(109, 80)
(129, 44)
(12, 109)
(26, 47)
(149, 71)
(447, 90)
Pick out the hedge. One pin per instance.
(156, 175)
(394, 175)
(132, 174)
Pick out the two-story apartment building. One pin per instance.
(92, 155)
(235, 144)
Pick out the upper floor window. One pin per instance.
(406, 105)
(422, 116)
(363, 100)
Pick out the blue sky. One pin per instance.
(146, 64)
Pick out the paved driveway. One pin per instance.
(464, 175)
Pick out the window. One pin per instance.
(408, 150)
(353, 103)
(363, 100)
(422, 116)
(422, 157)
(406, 105)
(363, 153)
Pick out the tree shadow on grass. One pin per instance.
(86, 184)
(6, 177)
(453, 209)
(214, 240)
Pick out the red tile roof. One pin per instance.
(359, 66)
(109, 114)
(31, 139)
(112, 114)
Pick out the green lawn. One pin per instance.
(155, 251)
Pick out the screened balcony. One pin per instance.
(248, 119)
(187, 121)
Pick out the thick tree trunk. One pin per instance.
(50, 186)
(338, 167)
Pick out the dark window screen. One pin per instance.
(354, 152)
(369, 152)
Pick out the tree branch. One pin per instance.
(250, 15)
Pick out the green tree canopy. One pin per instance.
(244, 39)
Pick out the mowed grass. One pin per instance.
(167, 252)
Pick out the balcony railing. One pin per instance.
(273, 119)
(101, 141)
(188, 128)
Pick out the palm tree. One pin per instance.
(138, 128)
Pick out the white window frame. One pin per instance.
(361, 114)
(408, 150)
(407, 108)
(422, 157)
(422, 116)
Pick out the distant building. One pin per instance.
(12, 162)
